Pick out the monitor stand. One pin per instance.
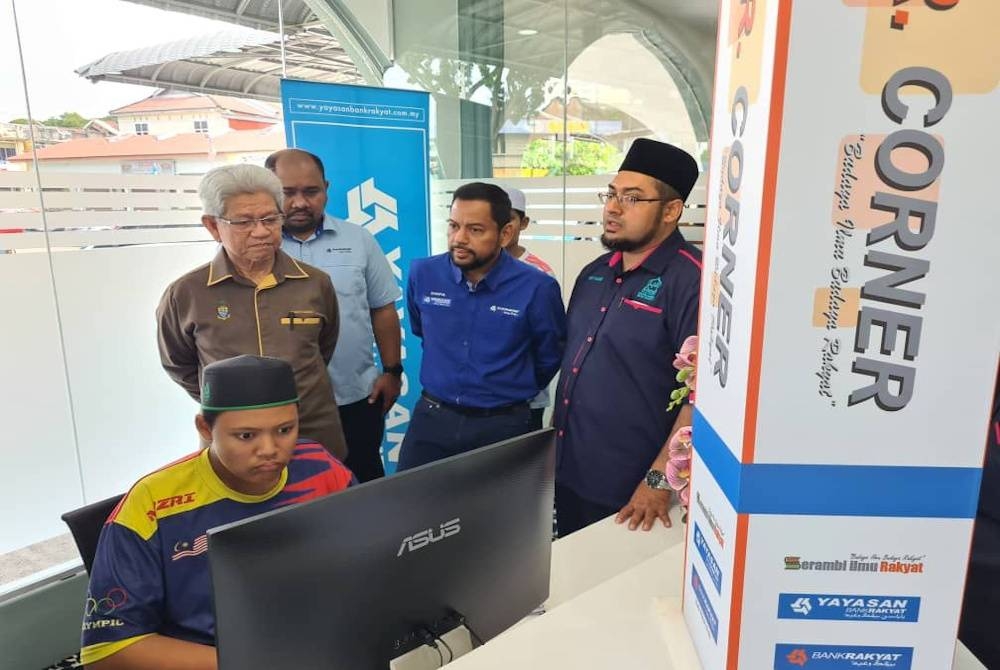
(426, 657)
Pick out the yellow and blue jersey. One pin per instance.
(150, 574)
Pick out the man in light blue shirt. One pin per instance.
(366, 293)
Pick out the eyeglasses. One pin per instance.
(626, 200)
(269, 222)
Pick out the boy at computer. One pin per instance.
(149, 605)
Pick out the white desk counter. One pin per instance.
(607, 587)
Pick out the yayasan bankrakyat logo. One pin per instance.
(848, 607)
(902, 564)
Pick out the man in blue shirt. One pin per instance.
(492, 328)
(630, 312)
(366, 294)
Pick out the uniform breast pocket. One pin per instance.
(638, 323)
(299, 333)
(641, 306)
(348, 280)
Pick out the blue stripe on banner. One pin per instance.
(837, 490)
(717, 457)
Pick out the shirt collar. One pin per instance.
(222, 268)
(656, 259)
(492, 277)
(328, 223)
(219, 487)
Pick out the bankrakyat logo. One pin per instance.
(901, 564)
(840, 657)
(708, 614)
(848, 607)
(426, 537)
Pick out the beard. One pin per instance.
(472, 262)
(304, 222)
(624, 245)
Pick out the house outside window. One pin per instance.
(142, 129)
(201, 126)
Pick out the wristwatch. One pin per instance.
(656, 479)
(396, 369)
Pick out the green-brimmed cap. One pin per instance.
(247, 382)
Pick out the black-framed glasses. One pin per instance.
(271, 222)
(626, 200)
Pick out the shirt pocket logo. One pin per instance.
(506, 311)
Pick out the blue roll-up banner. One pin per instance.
(375, 144)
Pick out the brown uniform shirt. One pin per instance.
(213, 313)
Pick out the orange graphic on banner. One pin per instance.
(846, 313)
(746, 42)
(959, 39)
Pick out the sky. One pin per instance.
(59, 36)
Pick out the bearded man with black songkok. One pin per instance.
(630, 312)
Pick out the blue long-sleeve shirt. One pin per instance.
(494, 344)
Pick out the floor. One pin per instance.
(24, 562)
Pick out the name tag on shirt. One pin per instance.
(437, 299)
(301, 319)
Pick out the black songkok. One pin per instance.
(674, 167)
(247, 382)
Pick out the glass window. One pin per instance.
(542, 96)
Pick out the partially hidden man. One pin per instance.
(629, 314)
(253, 298)
(149, 605)
(366, 296)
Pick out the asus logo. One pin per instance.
(425, 537)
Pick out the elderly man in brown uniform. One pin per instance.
(253, 299)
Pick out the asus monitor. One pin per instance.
(349, 581)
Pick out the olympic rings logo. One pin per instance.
(114, 599)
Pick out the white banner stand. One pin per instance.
(849, 332)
